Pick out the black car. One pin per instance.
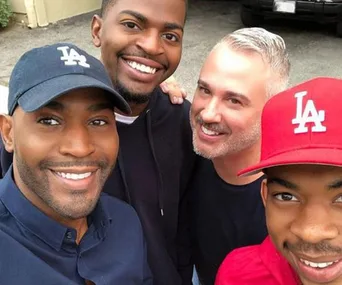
(325, 11)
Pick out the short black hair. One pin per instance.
(108, 3)
(105, 5)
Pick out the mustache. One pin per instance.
(75, 163)
(142, 54)
(317, 248)
(211, 126)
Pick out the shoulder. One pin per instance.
(256, 265)
(164, 107)
(242, 266)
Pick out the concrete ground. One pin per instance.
(314, 49)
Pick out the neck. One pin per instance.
(137, 109)
(227, 167)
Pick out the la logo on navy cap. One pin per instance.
(45, 73)
(72, 57)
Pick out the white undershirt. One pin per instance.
(125, 119)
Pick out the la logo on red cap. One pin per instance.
(309, 115)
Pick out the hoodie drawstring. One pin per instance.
(160, 178)
(123, 175)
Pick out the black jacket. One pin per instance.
(154, 167)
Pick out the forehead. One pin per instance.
(308, 178)
(156, 11)
(83, 95)
(241, 71)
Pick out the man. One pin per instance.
(55, 225)
(141, 44)
(301, 157)
(240, 74)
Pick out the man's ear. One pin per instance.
(96, 25)
(264, 191)
(6, 129)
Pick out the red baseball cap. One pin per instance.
(302, 125)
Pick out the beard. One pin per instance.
(233, 144)
(80, 206)
(132, 97)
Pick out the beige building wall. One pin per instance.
(18, 6)
(62, 9)
(43, 12)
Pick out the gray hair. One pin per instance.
(272, 49)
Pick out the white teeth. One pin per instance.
(317, 265)
(209, 132)
(74, 176)
(142, 67)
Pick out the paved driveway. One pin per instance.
(314, 49)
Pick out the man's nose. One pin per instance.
(151, 42)
(211, 112)
(77, 142)
(314, 224)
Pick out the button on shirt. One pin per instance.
(35, 249)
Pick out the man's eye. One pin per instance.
(98, 123)
(48, 121)
(203, 90)
(171, 37)
(234, 101)
(285, 197)
(130, 25)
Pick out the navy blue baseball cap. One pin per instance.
(45, 73)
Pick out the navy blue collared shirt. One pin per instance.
(35, 249)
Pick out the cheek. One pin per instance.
(32, 147)
(278, 220)
(234, 119)
(198, 104)
(173, 55)
(239, 120)
(109, 144)
(113, 41)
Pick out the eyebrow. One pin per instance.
(173, 26)
(101, 106)
(203, 83)
(336, 185)
(143, 19)
(57, 106)
(228, 93)
(282, 182)
(54, 105)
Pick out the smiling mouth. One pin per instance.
(141, 67)
(74, 176)
(318, 265)
(209, 132)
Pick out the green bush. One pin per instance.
(5, 13)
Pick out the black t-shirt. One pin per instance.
(224, 217)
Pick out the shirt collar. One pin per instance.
(277, 264)
(41, 225)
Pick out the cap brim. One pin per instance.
(319, 156)
(42, 94)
